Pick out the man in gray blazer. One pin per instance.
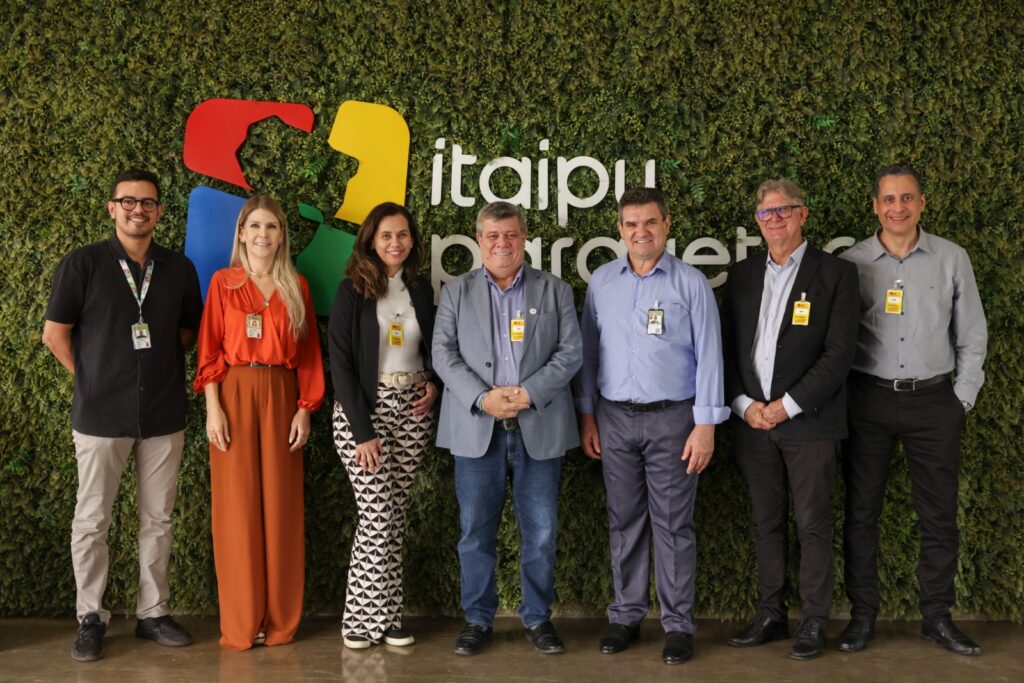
(506, 345)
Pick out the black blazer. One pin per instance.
(353, 349)
(811, 362)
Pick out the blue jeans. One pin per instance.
(480, 488)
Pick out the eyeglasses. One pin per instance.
(780, 211)
(128, 203)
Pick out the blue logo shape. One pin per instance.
(210, 231)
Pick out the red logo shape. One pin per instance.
(216, 130)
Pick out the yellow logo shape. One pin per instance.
(378, 137)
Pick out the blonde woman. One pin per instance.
(260, 369)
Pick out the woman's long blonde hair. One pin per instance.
(283, 272)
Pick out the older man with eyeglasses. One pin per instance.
(789, 329)
(121, 314)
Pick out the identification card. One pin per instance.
(140, 336)
(254, 326)
(801, 312)
(655, 321)
(396, 337)
(517, 328)
(894, 301)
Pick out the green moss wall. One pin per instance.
(822, 92)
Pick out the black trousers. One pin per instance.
(767, 461)
(929, 423)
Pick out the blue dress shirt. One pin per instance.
(506, 304)
(622, 362)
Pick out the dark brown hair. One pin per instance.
(638, 196)
(365, 268)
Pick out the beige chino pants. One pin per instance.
(101, 461)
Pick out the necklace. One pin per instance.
(253, 273)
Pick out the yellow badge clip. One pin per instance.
(396, 335)
(894, 299)
(802, 310)
(517, 328)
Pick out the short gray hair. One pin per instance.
(783, 186)
(498, 211)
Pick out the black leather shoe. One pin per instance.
(163, 630)
(545, 638)
(617, 637)
(810, 639)
(945, 633)
(763, 628)
(678, 647)
(88, 645)
(473, 639)
(857, 634)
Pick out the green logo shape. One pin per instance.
(323, 260)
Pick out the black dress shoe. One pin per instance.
(473, 638)
(762, 629)
(678, 647)
(857, 634)
(163, 630)
(945, 633)
(617, 637)
(810, 639)
(545, 638)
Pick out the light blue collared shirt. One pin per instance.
(622, 362)
(506, 304)
(778, 283)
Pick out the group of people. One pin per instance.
(815, 359)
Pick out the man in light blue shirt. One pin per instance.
(649, 395)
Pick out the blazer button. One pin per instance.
(487, 364)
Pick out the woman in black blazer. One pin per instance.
(379, 340)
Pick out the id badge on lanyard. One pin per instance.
(141, 337)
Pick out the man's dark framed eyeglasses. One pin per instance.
(129, 203)
(780, 211)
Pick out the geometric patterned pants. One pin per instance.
(373, 598)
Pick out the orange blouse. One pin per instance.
(223, 341)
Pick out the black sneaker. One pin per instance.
(398, 637)
(88, 645)
(163, 630)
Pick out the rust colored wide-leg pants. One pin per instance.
(258, 531)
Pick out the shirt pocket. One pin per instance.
(676, 324)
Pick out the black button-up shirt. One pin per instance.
(121, 391)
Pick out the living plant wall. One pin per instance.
(721, 96)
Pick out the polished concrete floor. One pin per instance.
(39, 650)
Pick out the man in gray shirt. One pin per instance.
(921, 320)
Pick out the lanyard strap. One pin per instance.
(146, 279)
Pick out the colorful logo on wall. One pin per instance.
(374, 134)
